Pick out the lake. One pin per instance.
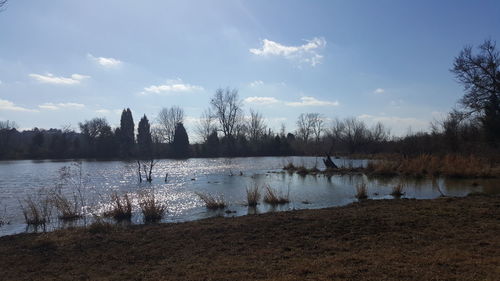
(223, 176)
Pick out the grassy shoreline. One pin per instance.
(440, 239)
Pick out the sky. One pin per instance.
(63, 62)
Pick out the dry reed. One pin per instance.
(361, 191)
(253, 195)
(121, 207)
(450, 165)
(273, 197)
(152, 209)
(397, 190)
(212, 202)
(68, 208)
(36, 210)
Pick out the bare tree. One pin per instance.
(227, 110)
(282, 130)
(156, 134)
(318, 125)
(355, 134)
(2, 4)
(255, 125)
(479, 74)
(337, 129)
(206, 125)
(8, 125)
(167, 120)
(379, 133)
(306, 125)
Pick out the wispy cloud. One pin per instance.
(379, 91)
(171, 86)
(304, 101)
(261, 100)
(8, 105)
(105, 62)
(311, 101)
(256, 83)
(49, 78)
(105, 111)
(306, 53)
(57, 106)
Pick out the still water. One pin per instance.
(224, 176)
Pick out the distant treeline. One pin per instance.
(225, 130)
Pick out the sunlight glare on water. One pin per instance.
(176, 181)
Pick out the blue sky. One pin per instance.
(62, 62)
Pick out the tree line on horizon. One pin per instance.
(225, 131)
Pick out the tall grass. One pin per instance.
(397, 190)
(289, 166)
(68, 207)
(450, 165)
(212, 202)
(361, 191)
(273, 197)
(36, 209)
(68, 196)
(121, 208)
(3, 219)
(152, 209)
(253, 195)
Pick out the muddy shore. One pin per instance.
(441, 239)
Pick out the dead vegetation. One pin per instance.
(121, 207)
(397, 190)
(212, 202)
(68, 207)
(361, 191)
(432, 165)
(36, 209)
(275, 197)
(253, 195)
(441, 239)
(152, 209)
(425, 165)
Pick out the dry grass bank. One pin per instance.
(433, 165)
(442, 239)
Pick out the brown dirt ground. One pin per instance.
(441, 239)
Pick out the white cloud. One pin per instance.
(105, 62)
(57, 106)
(8, 105)
(103, 111)
(171, 86)
(261, 100)
(59, 80)
(256, 83)
(311, 101)
(379, 91)
(306, 53)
